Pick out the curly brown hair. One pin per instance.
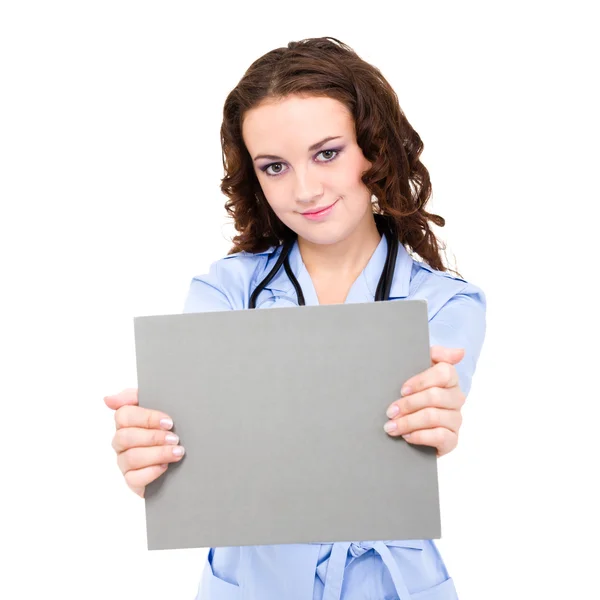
(327, 67)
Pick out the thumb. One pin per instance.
(127, 396)
(448, 355)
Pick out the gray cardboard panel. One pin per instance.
(281, 412)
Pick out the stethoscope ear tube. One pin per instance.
(283, 257)
(384, 286)
(295, 283)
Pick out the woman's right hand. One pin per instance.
(143, 442)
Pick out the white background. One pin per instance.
(110, 166)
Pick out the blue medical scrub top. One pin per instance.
(382, 570)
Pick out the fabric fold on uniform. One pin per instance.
(331, 571)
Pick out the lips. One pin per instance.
(316, 211)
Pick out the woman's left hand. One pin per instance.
(429, 411)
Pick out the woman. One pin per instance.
(323, 168)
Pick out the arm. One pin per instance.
(429, 411)
(461, 323)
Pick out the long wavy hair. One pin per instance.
(397, 178)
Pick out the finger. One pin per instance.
(450, 398)
(138, 479)
(442, 375)
(443, 439)
(137, 416)
(137, 437)
(127, 396)
(140, 458)
(426, 418)
(450, 355)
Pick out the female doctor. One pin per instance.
(328, 196)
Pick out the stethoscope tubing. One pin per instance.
(384, 285)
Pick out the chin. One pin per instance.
(324, 235)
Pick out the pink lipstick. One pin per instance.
(319, 214)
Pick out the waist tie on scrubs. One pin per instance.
(331, 571)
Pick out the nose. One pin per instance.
(308, 187)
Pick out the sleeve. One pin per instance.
(461, 323)
(206, 293)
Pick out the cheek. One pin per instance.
(271, 193)
(278, 202)
(275, 199)
(350, 174)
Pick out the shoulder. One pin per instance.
(440, 287)
(229, 281)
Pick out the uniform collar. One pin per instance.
(363, 289)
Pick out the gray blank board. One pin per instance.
(281, 413)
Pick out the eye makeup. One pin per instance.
(337, 151)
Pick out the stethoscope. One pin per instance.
(383, 287)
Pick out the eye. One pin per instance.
(328, 158)
(277, 171)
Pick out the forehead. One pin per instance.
(294, 122)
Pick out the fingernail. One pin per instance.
(390, 426)
(392, 411)
(406, 436)
(172, 438)
(164, 466)
(178, 451)
(406, 390)
(166, 423)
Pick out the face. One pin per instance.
(309, 166)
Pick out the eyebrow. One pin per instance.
(311, 148)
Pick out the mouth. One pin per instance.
(319, 212)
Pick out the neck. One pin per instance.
(346, 257)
